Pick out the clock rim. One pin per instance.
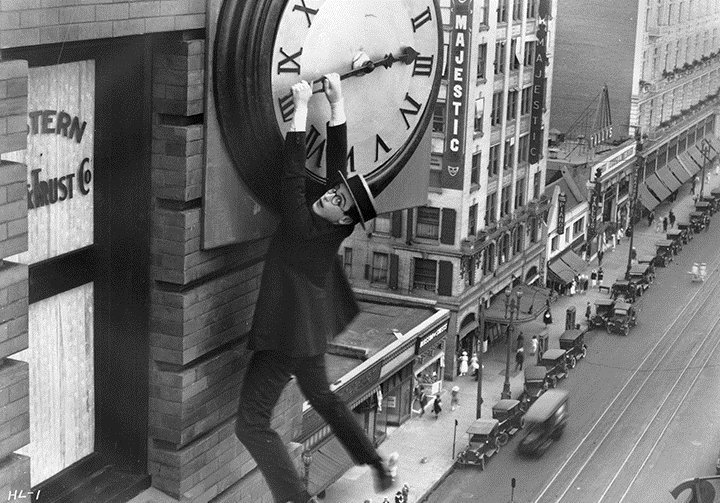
(244, 102)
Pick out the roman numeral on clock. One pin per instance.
(421, 19)
(287, 108)
(310, 145)
(423, 66)
(410, 111)
(289, 65)
(306, 10)
(379, 143)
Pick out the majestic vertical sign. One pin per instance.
(458, 78)
(538, 89)
(562, 199)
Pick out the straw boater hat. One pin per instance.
(361, 196)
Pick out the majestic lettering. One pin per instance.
(538, 88)
(54, 122)
(60, 188)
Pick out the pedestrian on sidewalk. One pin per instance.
(474, 365)
(671, 216)
(620, 234)
(588, 311)
(406, 493)
(399, 497)
(519, 358)
(600, 275)
(651, 218)
(593, 278)
(573, 286)
(454, 397)
(694, 183)
(658, 225)
(547, 317)
(534, 345)
(464, 363)
(601, 254)
(520, 340)
(437, 406)
(665, 224)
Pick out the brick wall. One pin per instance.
(33, 22)
(14, 374)
(201, 308)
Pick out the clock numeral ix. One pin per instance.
(421, 19)
(379, 143)
(289, 65)
(423, 66)
(410, 111)
(310, 145)
(305, 9)
(287, 107)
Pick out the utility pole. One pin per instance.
(481, 334)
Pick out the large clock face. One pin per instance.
(263, 47)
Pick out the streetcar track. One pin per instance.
(691, 308)
(667, 425)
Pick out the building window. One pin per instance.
(435, 177)
(428, 222)
(517, 10)
(504, 250)
(483, 14)
(531, 9)
(514, 59)
(579, 227)
(439, 118)
(518, 239)
(494, 163)
(520, 193)
(502, 11)
(496, 115)
(526, 101)
(509, 154)
(490, 208)
(523, 149)
(482, 61)
(489, 259)
(425, 274)
(554, 243)
(472, 219)
(382, 223)
(475, 169)
(379, 268)
(512, 104)
(499, 63)
(529, 59)
(479, 114)
(505, 201)
(347, 261)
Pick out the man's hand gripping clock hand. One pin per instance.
(301, 94)
(333, 92)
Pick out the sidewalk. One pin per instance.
(425, 443)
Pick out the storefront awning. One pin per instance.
(688, 163)
(668, 178)
(468, 328)
(697, 156)
(562, 272)
(329, 463)
(646, 198)
(714, 144)
(653, 183)
(574, 262)
(679, 171)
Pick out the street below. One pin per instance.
(644, 409)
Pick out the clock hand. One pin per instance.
(407, 56)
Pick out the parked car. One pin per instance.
(510, 414)
(642, 274)
(678, 235)
(623, 318)
(624, 289)
(715, 194)
(573, 342)
(697, 220)
(706, 207)
(482, 443)
(687, 227)
(536, 383)
(555, 362)
(544, 422)
(664, 254)
(603, 310)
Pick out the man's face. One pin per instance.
(333, 205)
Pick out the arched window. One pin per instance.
(504, 250)
(489, 259)
(519, 239)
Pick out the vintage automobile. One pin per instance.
(642, 274)
(697, 220)
(715, 195)
(544, 422)
(676, 236)
(555, 362)
(573, 342)
(648, 260)
(536, 383)
(623, 318)
(509, 412)
(688, 228)
(603, 310)
(664, 254)
(706, 207)
(482, 443)
(624, 289)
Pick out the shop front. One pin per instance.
(429, 363)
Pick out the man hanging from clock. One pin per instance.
(304, 301)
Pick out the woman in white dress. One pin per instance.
(464, 363)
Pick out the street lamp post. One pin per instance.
(705, 151)
(639, 163)
(514, 307)
(307, 459)
(481, 332)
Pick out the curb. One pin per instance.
(437, 483)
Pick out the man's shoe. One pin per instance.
(385, 473)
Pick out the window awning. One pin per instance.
(646, 198)
(714, 144)
(668, 178)
(574, 262)
(653, 183)
(688, 163)
(679, 171)
(561, 272)
(468, 328)
(329, 463)
(697, 156)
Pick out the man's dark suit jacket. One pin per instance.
(305, 299)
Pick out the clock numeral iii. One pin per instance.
(287, 107)
(379, 143)
(420, 20)
(289, 65)
(423, 66)
(410, 111)
(311, 148)
(305, 9)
